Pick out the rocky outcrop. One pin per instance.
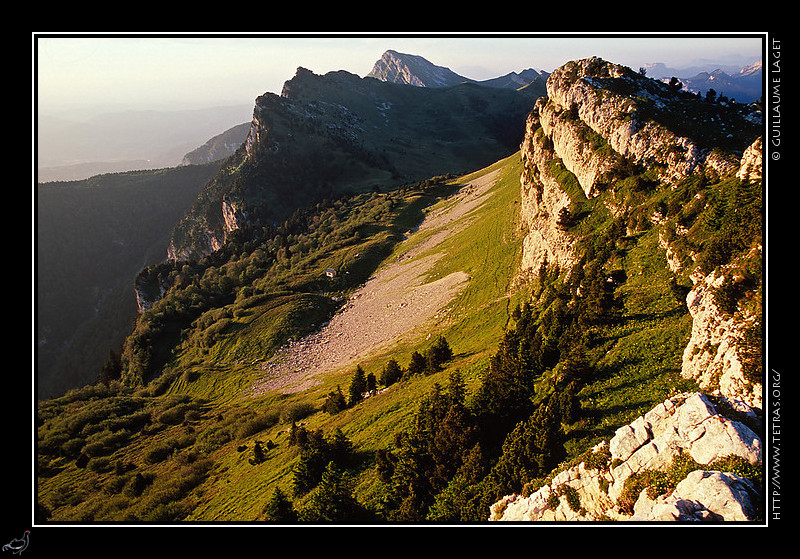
(702, 496)
(750, 167)
(628, 111)
(233, 214)
(596, 123)
(712, 356)
(579, 148)
(689, 426)
(542, 200)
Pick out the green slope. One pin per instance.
(184, 445)
(212, 372)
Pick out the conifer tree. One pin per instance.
(340, 449)
(279, 508)
(456, 389)
(532, 449)
(333, 500)
(391, 373)
(441, 350)
(417, 364)
(358, 386)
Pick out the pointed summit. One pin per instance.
(396, 67)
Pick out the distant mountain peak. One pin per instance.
(411, 69)
(397, 67)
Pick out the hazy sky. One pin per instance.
(180, 70)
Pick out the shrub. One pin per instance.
(160, 451)
(256, 425)
(174, 415)
(553, 500)
(105, 442)
(571, 494)
(296, 412)
(100, 464)
(335, 401)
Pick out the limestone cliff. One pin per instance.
(542, 199)
(714, 354)
(599, 124)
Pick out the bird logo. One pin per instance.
(18, 545)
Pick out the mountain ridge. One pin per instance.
(366, 133)
(744, 83)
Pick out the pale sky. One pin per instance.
(183, 71)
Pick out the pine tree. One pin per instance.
(391, 373)
(456, 389)
(332, 500)
(532, 449)
(279, 509)
(358, 386)
(417, 364)
(441, 351)
(340, 449)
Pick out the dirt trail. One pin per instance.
(393, 303)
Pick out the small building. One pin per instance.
(330, 272)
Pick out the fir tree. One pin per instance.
(358, 386)
(417, 364)
(279, 509)
(391, 373)
(332, 500)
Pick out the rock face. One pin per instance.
(542, 199)
(751, 164)
(712, 356)
(630, 112)
(690, 426)
(597, 121)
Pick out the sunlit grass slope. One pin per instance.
(180, 447)
(185, 447)
(485, 245)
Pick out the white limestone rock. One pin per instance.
(688, 424)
